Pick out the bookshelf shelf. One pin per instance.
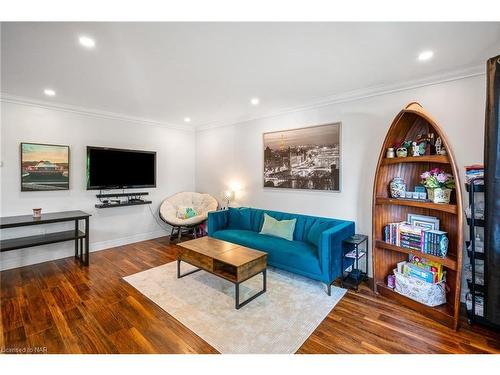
(438, 159)
(410, 122)
(451, 208)
(447, 262)
(442, 314)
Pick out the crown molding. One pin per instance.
(317, 103)
(21, 100)
(355, 95)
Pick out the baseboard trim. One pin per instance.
(103, 245)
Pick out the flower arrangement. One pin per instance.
(438, 184)
(436, 178)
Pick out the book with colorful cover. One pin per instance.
(427, 241)
(427, 265)
(412, 270)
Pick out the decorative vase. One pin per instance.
(390, 153)
(397, 187)
(439, 195)
(402, 152)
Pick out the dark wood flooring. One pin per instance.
(62, 307)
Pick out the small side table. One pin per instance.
(353, 251)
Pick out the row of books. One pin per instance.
(474, 171)
(427, 241)
(422, 269)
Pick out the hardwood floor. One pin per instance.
(62, 307)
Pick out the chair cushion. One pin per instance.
(293, 254)
(200, 203)
(278, 228)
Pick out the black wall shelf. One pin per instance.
(117, 195)
(131, 199)
(125, 203)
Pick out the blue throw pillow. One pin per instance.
(239, 218)
(314, 234)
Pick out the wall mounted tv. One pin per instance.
(112, 168)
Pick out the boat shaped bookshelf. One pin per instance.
(410, 122)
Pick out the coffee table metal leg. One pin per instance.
(185, 274)
(237, 303)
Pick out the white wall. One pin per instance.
(109, 227)
(224, 156)
(233, 155)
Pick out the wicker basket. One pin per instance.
(420, 291)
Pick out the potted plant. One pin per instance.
(439, 185)
(401, 148)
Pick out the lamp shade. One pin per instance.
(228, 195)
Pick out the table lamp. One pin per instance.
(228, 196)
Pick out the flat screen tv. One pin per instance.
(112, 168)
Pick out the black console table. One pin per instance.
(81, 238)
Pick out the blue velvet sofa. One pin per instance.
(316, 249)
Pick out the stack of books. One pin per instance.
(423, 269)
(427, 241)
(474, 171)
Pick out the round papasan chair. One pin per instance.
(200, 203)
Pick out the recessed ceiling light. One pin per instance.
(86, 41)
(49, 92)
(187, 119)
(255, 101)
(425, 55)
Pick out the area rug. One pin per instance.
(279, 321)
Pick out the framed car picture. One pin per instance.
(44, 167)
(422, 221)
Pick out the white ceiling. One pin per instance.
(210, 71)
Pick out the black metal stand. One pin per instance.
(351, 245)
(475, 290)
(179, 231)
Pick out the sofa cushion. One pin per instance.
(314, 233)
(239, 218)
(296, 255)
(302, 225)
(278, 228)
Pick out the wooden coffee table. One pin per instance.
(230, 261)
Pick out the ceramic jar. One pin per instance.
(397, 187)
(402, 152)
(390, 153)
(439, 195)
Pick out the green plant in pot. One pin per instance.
(439, 185)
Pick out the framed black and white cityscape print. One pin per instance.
(306, 158)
